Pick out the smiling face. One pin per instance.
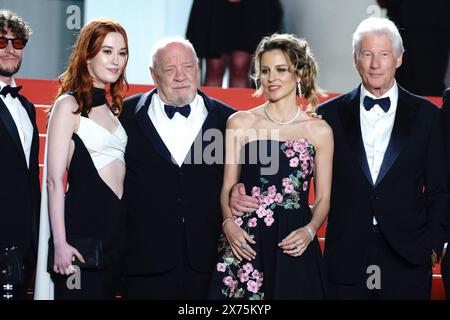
(107, 65)
(10, 58)
(277, 78)
(176, 74)
(376, 63)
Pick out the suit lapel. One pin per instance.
(351, 124)
(10, 126)
(34, 152)
(400, 132)
(145, 124)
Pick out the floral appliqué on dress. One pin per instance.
(247, 280)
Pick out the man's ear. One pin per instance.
(154, 75)
(399, 61)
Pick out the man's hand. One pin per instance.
(240, 203)
(315, 115)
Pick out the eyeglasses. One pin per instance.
(18, 43)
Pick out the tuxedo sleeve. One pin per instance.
(436, 189)
(446, 128)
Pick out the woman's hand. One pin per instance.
(238, 238)
(64, 256)
(297, 241)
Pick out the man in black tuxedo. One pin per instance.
(19, 143)
(386, 225)
(445, 264)
(174, 176)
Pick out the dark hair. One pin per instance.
(17, 26)
(77, 80)
(303, 62)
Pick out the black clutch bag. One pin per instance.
(90, 249)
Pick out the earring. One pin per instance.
(299, 88)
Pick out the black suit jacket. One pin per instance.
(409, 198)
(446, 125)
(19, 187)
(169, 207)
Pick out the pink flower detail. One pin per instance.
(256, 192)
(305, 166)
(238, 221)
(233, 285)
(252, 223)
(252, 286)
(269, 213)
(304, 156)
(243, 277)
(279, 198)
(286, 182)
(248, 267)
(268, 221)
(256, 274)
(288, 144)
(289, 189)
(293, 162)
(305, 185)
(297, 146)
(289, 153)
(227, 281)
(272, 191)
(261, 212)
(221, 267)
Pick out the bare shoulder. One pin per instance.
(65, 104)
(321, 127)
(321, 133)
(63, 109)
(241, 120)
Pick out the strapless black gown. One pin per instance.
(282, 186)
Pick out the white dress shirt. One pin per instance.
(376, 129)
(21, 120)
(178, 133)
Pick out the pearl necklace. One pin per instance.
(279, 122)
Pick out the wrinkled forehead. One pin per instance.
(175, 53)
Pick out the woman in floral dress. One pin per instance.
(274, 150)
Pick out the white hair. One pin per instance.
(166, 41)
(379, 26)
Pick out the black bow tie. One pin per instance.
(384, 103)
(171, 110)
(13, 91)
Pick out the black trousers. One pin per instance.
(180, 283)
(445, 271)
(397, 278)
